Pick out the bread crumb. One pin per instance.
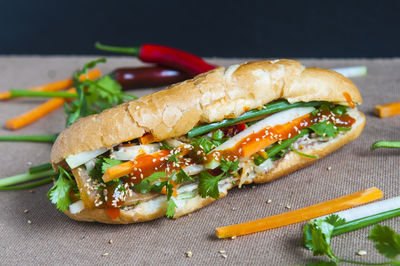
(29, 222)
(233, 237)
(288, 207)
(361, 253)
(110, 241)
(233, 209)
(222, 251)
(268, 201)
(329, 168)
(105, 254)
(224, 256)
(188, 254)
(32, 191)
(26, 211)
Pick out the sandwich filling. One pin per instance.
(204, 162)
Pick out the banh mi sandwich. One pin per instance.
(177, 150)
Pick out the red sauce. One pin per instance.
(349, 100)
(113, 212)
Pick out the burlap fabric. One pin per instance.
(52, 238)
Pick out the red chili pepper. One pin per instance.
(165, 56)
(147, 77)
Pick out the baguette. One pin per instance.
(216, 95)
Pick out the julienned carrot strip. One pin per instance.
(387, 110)
(118, 171)
(300, 215)
(254, 145)
(36, 113)
(57, 85)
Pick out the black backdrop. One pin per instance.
(207, 28)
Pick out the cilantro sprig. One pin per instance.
(94, 96)
(208, 184)
(60, 193)
(317, 236)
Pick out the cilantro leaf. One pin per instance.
(335, 220)
(60, 193)
(229, 166)
(387, 241)
(317, 236)
(324, 129)
(204, 143)
(165, 146)
(340, 109)
(182, 177)
(97, 173)
(94, 96)
(171, 208)
(108, 162)
(208, 185)
(145, 185)
(174, 157)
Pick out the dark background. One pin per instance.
(206, 28)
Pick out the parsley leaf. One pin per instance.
(60, 193)
(335, 220)
(387, 241)
(208, 185)
(171, 208)
(324, 129)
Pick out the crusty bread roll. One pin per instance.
(213, 96)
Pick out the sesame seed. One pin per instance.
(222, 251)
(233, 237)
(105, 254)
(137, 107)
(26, 211)
(110, 241)
(29, 222)
(268, 201)
(224, 256)
(189, 254)
(29, 163)
(288, 207)
(154, 160)
(361, 253)
(233, 209)
(329, 168)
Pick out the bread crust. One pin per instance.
(288, 164)
(218, 94)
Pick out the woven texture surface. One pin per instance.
(52, 238)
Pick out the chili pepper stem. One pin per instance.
(118, 49)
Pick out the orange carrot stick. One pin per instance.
(257, 143)
(387, 110)
(300, 215)
(57, 85)
(36, 113)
